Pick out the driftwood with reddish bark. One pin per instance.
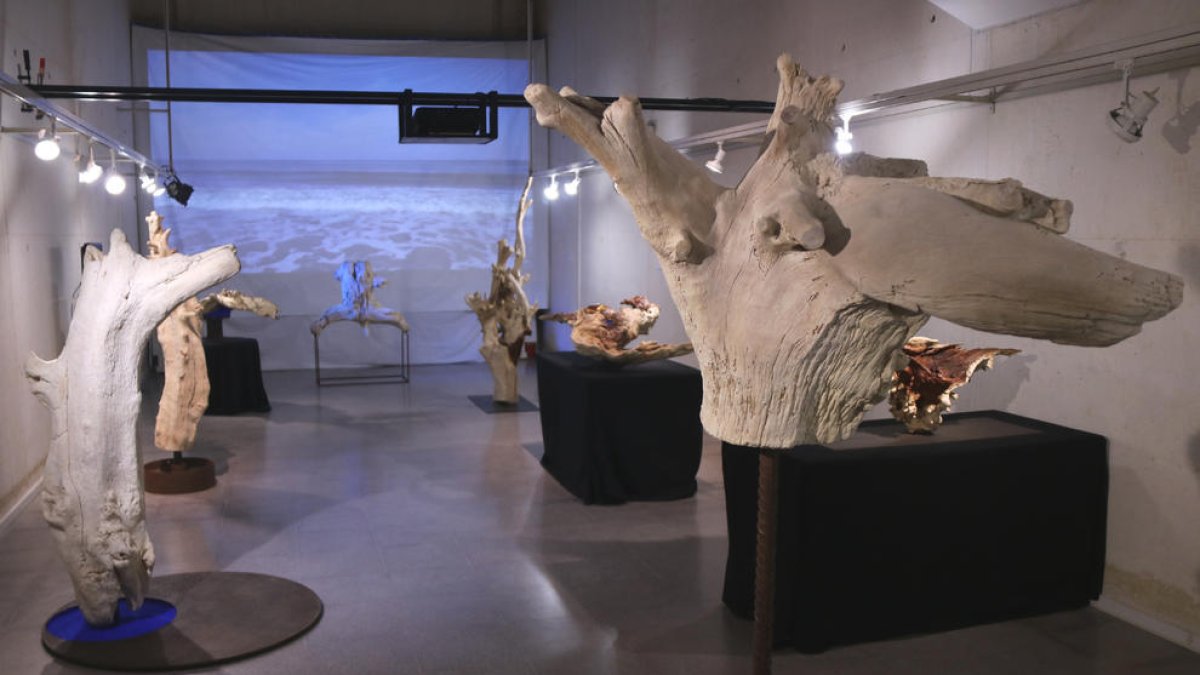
(506, 315)
(798, 286)
(603, 332)
(925, 387)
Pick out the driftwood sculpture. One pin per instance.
(92, 496)
(925, 387)
(506, 315)
(185, 372)
(358, 300)
(603, 333)
(798, 286)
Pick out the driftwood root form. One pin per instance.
(505, 314)
(797, 287)
(925, 387)
(603, 332)
(92, 496)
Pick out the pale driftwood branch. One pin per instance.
(605, 333)
(358, 300)
(240, 301)
(925, 387)
(93, 497)
(506, 315)
(799, 286)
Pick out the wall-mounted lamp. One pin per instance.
(842, 144)
(716, 164)
(115, 183)
(1128, 119)
(47, 146)
(551, 191)
(177, 189)
(91, 172)
(572, 188)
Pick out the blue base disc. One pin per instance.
(70, 625)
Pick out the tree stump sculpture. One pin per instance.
(506, 315)
(185, 377)
(92, 496)
(603, 333)
(798, 286)
(925, 387)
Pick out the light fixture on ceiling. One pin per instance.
(551, 191)
(177, 189)
(148, 183)
(572, 187)
(842, 144)
(91, 172)
(1128, 119)
(716, 164)
(47, 147)
(115, 183)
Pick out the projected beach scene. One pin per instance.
(285, 217)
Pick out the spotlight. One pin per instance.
(572, 188)
(148, 183)
(551, 191)
(715, 164)
(115, 183)
(92, 172)
(1127, 119)
(178, 190)
(47, 145)
(842, 145)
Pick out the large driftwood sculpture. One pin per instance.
(925, 387)
(92, 495)
(358, 300)
(185, 371)
(799, 285)
(506, 315)
(603, 333)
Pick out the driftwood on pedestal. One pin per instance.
(92, 495)
(185, 370)
(797, 287)
(925, 387)
(506, 315)
(358, 300)
(603, 333)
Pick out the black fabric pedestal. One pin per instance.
(235, 375)
(619, 434)
(994, 517)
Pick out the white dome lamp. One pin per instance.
(47, 147)
(115, 183)
(1128, 119)
(92, 172)
(551, 191)
(716, 164)
(572, 188)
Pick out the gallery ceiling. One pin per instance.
(980, 14)
(352, 19)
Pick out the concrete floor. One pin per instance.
(440, 546)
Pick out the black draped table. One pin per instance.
(618, 434)
(235, 375)
(885, 534)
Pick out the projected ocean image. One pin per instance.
(292, 216)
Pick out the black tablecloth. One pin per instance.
(614, 435)
(994, 517)
(235, 375)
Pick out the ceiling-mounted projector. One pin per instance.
(474, 122)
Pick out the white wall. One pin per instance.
(1136, 201)
(45, 214)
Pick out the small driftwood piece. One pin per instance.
(506, 315)
(185, 370)
(798, 286)
(602, 332)
(358, 300)
(92, 496)
(925, 387)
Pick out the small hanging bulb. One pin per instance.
(92, 172)
(551, 191)
(842, 145)
(115, 183)
(572, 188)
(47, 147)
(717, 163)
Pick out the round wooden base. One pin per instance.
(222, 616)
(180, 476)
